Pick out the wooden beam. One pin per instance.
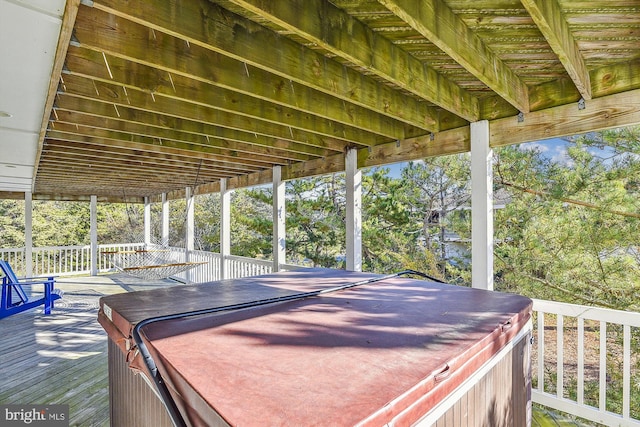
(52, 196)
(448, 142)
(82, 61)
(435, 21)
(151, 146)
(159, 104)
(617, 78)
(453, 141)
(550, 19)
(126, 172)
(607, 80)
(97, 182)
(68, 21)
(97, 151)
(601, 113)
(12, 195)
(328, 165)
(327, 26)
(209, 26)
(103, 109)
(176, 139)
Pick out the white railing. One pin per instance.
(104, 254)
(583, 362)
(238, 266)
(208, 271)
(57, 260)
(68, 260)
(15, 257)
(62, 260)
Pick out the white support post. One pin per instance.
(94, 235)
(165, 220)
(225, 228)
(190, 225)
(189, 229)
(28, 234)
(481, 207)
(279, 218)
(147, 222)
(354, 211)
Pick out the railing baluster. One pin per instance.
(626, 371)
(603, 367)
(559, 356)
(541, 351)
(580, 361)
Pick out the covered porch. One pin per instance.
(167, 100)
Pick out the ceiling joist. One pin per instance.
(153, 97)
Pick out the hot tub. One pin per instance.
(398, 351)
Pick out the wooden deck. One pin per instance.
(62, 358)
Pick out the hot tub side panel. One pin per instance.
(132, 401)
(499, 396)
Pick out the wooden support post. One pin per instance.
(354, 211)
(147, 222)
(94, 235)
(279, 218)
(225, 228)
(481, 207)
(28, 234)
(165, 220)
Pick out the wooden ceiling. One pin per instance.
(156, 96)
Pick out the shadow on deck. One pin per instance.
(62, 358)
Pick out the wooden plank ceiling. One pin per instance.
(158, 95)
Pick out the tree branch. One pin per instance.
(570, 201)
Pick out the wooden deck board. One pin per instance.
(62, 358)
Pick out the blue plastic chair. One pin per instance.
(15, 299)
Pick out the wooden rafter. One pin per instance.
(435, 21)
(321, 23)
(551, 21)
(176, 134)
(235, 37)
(82, 61)
(289, 141)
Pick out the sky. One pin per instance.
(555, 149)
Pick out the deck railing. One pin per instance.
(584, 364)
(62, 260)
(585, 359)
(235, 266)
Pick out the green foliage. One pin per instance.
(571, 230)
(315, 213)
(251, 222)
(11, 223)
(60, 223)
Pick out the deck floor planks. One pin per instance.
(62, 358)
